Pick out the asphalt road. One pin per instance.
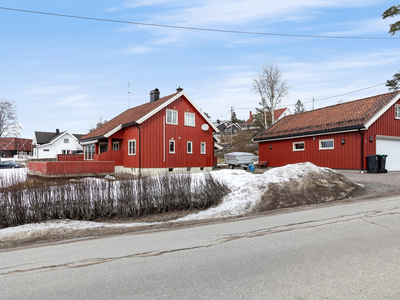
(337, 251)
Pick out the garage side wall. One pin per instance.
(342, 156)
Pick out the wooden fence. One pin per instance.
(71, 168)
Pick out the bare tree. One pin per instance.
(9, 125)
(393, 11)
(272, 88)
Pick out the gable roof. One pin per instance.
(138, 115)
(349, 116)
(277, 115)
(42, 137)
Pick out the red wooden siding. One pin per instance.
(70, 168)
(153, 141)
(347, 156)
(70, 157)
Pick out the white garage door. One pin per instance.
(391, 147)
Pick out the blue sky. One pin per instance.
(66, 73)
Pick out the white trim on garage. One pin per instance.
(391, 147)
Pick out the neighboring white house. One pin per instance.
(49, 144)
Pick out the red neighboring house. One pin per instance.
(278, 114)
(166, 134)
(10, 146)
(339, 136)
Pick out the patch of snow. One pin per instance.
(246, 190)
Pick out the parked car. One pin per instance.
(9, 165)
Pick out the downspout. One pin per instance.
(139, 146)
(362, 150)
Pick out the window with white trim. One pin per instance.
(397, 111)
(190, 147)
(66, 141)
(89, 152)
(189, 119)
(131, 147)
(172, 117)
(115, 146)
(326, 144)
(171, 146)
(203, 148)
(298, 146)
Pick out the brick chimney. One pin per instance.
(251, 115)
(154, 95)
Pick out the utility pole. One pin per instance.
(231, 123)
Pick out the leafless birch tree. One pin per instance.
(9, 125)
(272, 88)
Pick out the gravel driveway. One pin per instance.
(377, 184)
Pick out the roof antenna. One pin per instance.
(129, 95)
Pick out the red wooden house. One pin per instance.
(278, 114)
(166, 134)
(10, 146)
(339, 136)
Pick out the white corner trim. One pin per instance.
(110, 133)
(382, 111)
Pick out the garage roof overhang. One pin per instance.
(308, 134)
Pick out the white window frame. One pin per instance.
(397, 111)
(66, 141)
(89, 151)
(320, 142)
(115, 146)
(189, 151)
(172, 142)
(171, 117)
(131, 147)
(203, 147)
(189, 117)
(299, 143)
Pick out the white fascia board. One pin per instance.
(219, 147)
(382, 111)
(303, 136)
(216, 139)
(89, 142)
(182, 93)
(110, 133)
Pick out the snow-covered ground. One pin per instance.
(246, 190)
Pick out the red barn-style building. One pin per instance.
(339, 136)
(168, 134)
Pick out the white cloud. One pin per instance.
(44, 89)
(139, 50)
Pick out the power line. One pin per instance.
(366, 88)
(198, 28)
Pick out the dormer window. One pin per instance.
(397, 111)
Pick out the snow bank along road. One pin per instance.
(247, 192)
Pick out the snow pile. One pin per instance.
(286, 186)
(247, 189)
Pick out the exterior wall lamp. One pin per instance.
(343, 141)
(371, 138)
(270, 146)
